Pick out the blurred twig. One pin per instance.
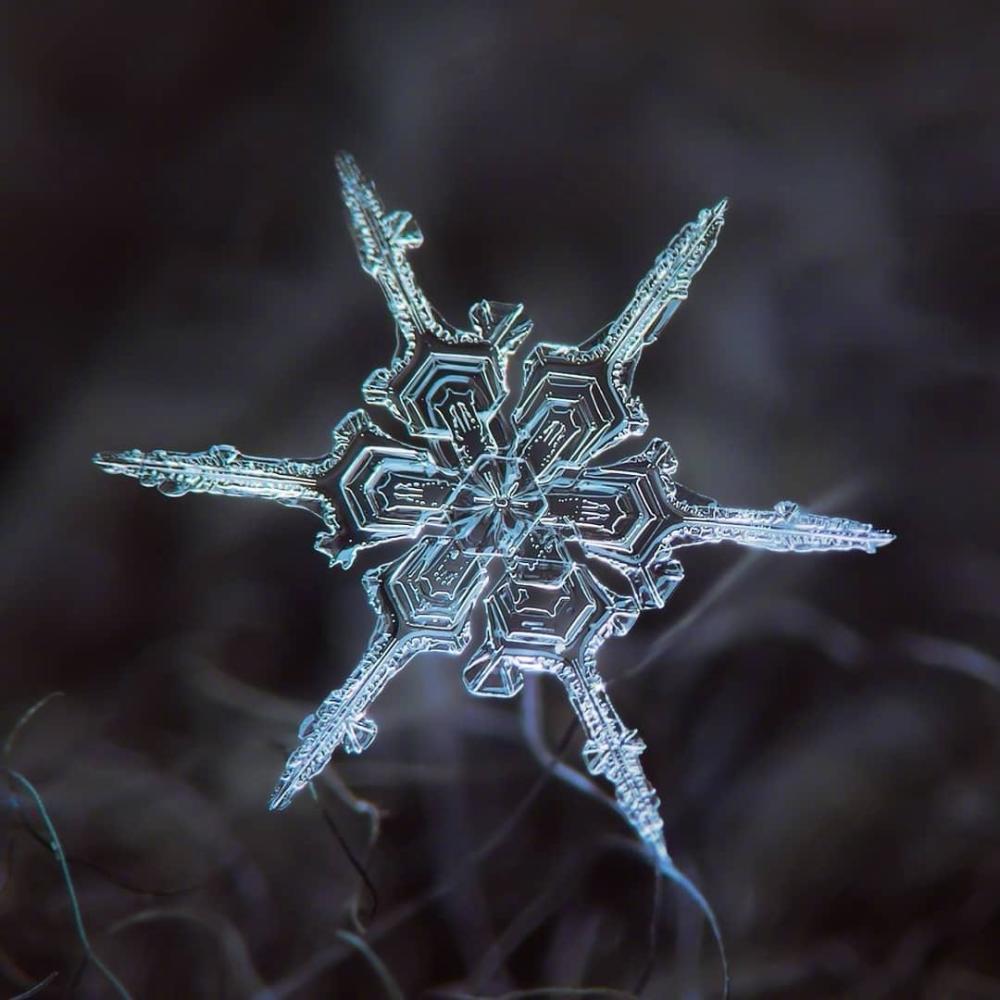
(388, 982)
(722, 586)
(55, 846)
(234, 946)
(37, 988)
(329, 957)
(356, 864)
(725, 584)
(532, 726)
(8, 744)
(950, 654)
(564, 877)
(111, 877)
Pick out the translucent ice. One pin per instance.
(467, 486)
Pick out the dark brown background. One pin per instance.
(825, 734)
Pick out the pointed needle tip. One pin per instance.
(345, 163)
(281, 797)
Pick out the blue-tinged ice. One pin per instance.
(498, 504)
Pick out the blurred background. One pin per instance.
(824, 731)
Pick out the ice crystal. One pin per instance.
(506, 505)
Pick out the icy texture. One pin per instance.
(511, 506)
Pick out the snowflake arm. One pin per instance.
(444, 384)
(368, 489)
(784, 528)
(612, 750)
(633, 514)
(577, 401)
(422, 602)
(222, 470)
(558, 630)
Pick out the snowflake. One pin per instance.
(512, 505)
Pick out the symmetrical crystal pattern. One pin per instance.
(505, 503)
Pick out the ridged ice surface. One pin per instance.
(485, 497)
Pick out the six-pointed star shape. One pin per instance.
(514, 503)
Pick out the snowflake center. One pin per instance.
(496, 505)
